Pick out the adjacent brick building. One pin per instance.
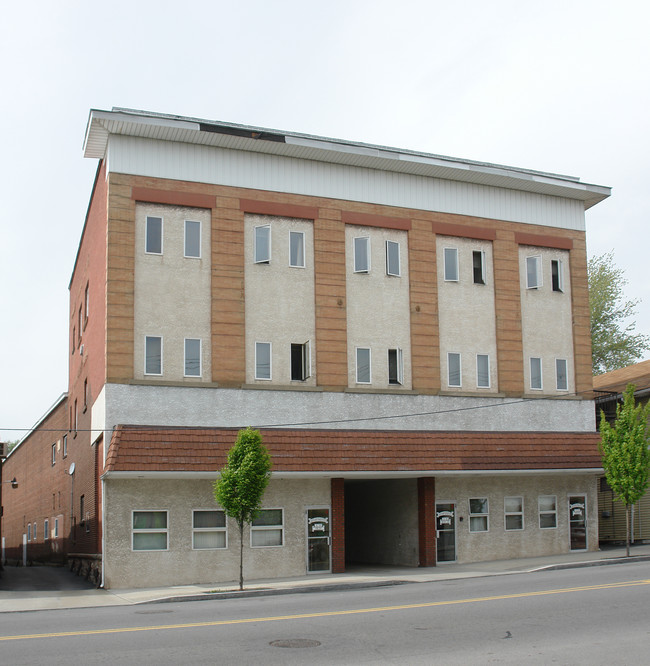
(410, 332)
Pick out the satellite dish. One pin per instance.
(71, 470)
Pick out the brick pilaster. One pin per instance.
(427, 521)
(338, 525)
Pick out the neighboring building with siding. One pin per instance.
(410, 333)
(609, 388)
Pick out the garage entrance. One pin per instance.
(381, 522)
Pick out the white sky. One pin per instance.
(555, 86)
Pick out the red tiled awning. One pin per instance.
(159, 449)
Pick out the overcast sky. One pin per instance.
(555, 86)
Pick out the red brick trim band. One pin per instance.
(556, 242)
(279, 209)
(367, 220)
(173, 198)
(461, 231)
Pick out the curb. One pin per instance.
(594, 563)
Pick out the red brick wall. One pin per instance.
(338, 525)
(427, 521)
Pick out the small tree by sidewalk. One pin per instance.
(242, 484)
(626, 453)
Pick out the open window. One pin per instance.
(392, 258)
(300, 361)
(557, 275)
(262, 243)
(395, 366)
(362, 255)
(533, 272)
(478, 266)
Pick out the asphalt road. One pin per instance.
(596, 615)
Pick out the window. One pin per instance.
(451, 264)
(152, 355)
(300, 361)
(547, 511)
(297, 249)
(192, 357)
(514, 513)
(478, 266)
(392, 258)
(557, 275)
(81, 509)
(46, 529)
(85, 394)
(29, 531)
(533, 272)
(56, 528)
(81, 322)
(561, 378)
(478, 514)
(74, 338)
(76, 417)
(208, 530)
(536, 373)
(453, 369)
(395, 366)
(362, 255)
(86, 301)
(192, 239)
(482, 371)
(263, 244)
(363, 365)
(262, 360)
(267, 529)
(54, 453)
(153, 235)
(34, 536)
(150, 530)
(65, 446)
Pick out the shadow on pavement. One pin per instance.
(41, 579)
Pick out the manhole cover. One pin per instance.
(295, 643)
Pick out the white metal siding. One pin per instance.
(183, 161)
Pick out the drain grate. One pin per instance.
(295, 643)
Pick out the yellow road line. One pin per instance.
(302, 616)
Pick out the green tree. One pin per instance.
(626, 453)
(613, 342)
(243, 481)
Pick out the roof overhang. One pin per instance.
(165, 127)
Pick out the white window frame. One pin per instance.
(46, 529)
(305, 363)
(510, 513)
(358, 241)
(150, 530)
(559, 283)
(460, 370)
(399, 361)
(450, 275)
(29, 531)
(258, 257)
(391, 269)
(192, 256)
(56, 528)
(478, 372)
(212, 530)
(301, 249)
(481, 254)
(547, 512)
(146, 234)
(34, 531)
(482, 515)
(358, 365)
(558, 361)
(270, 348)
(534, 272)
(156, 337)
(265, 528)
(54, 453)
(200, 372)
(541, 376)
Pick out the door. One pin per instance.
(318, 539)
(578, 522)
(446, 531)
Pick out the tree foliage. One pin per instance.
(243, 481)
(626, 453)
(613, 341)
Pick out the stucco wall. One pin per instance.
(172, 292)
(546, 317)
(466, 314)
(180, 565)
(378, 314)
(497, 543)
(279, 298)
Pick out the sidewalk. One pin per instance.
(12, 600)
